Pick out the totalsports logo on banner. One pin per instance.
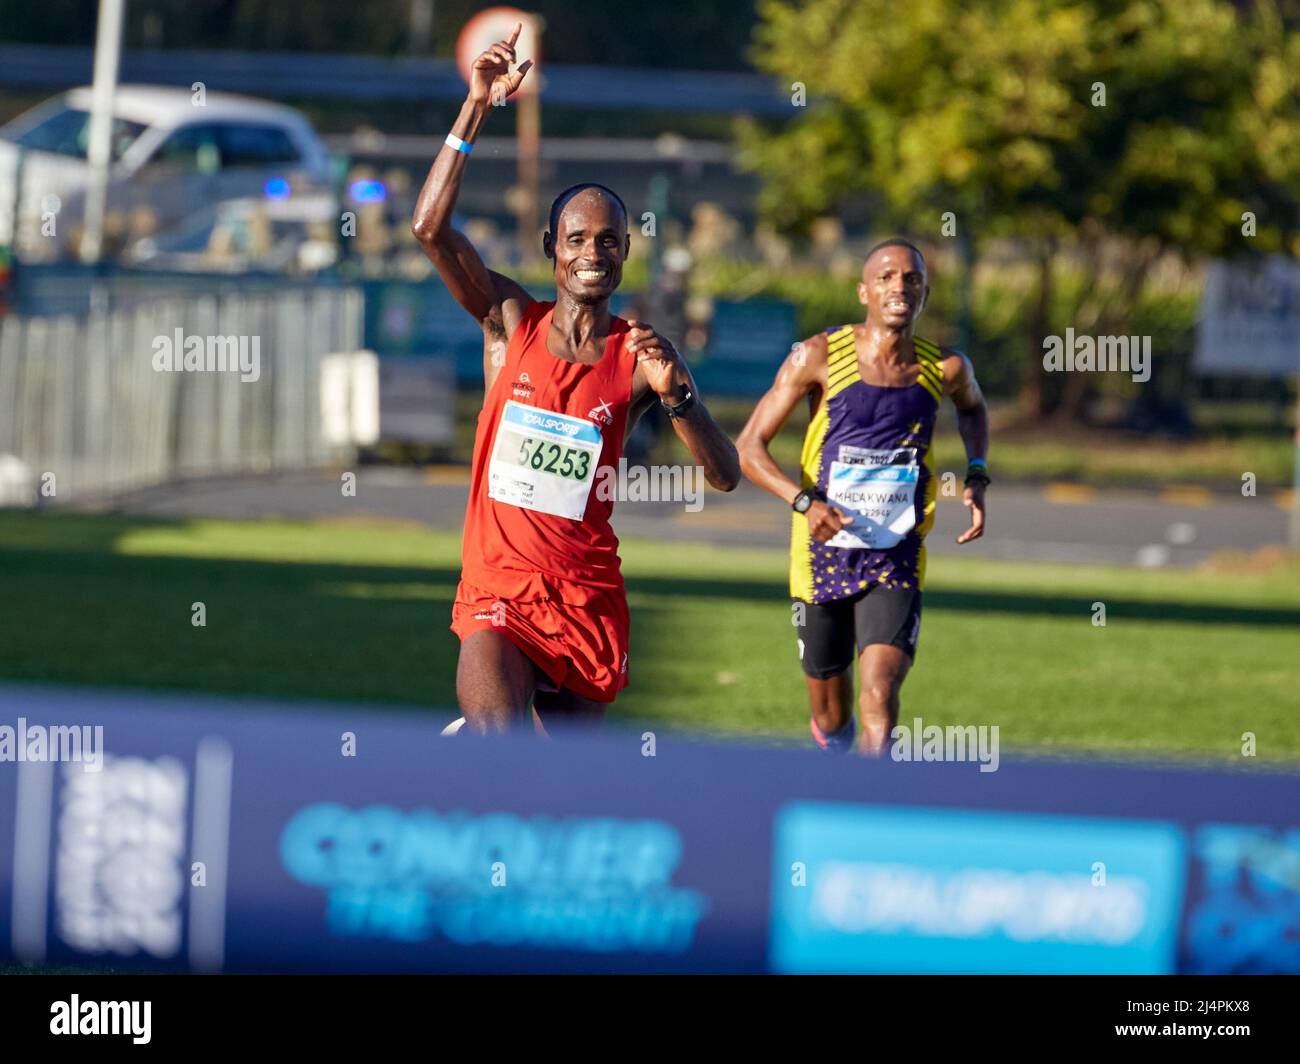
(878, 889)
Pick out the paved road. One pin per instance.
(1052, 523)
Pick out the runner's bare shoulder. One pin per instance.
(957, 369)
(806, 363)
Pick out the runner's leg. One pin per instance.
(888, 623)
(826, 644)
(495, 681)
(566, 709)
(831, 701)
(881, 670)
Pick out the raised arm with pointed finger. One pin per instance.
(495, 301)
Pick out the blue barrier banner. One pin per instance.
(182, 832)
(1246, 915)
(873, 889)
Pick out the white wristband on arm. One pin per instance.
(454, 141)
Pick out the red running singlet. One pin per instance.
(539, 556)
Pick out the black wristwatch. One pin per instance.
(681, 409)
(802, 502)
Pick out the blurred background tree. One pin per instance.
(1100, 137)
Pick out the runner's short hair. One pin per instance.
(895, 242)
(563, 198)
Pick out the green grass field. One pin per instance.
(1187, 661)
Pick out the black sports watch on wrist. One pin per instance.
(681, 409)
(802, 502)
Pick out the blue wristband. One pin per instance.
(454, 141)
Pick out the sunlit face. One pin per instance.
(589, 246)
(894, 287)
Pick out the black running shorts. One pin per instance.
(832, 631)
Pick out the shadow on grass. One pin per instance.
(87, 615)
(75, 611)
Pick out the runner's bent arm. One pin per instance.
(802, 374)
(496, 302)
(973, 424)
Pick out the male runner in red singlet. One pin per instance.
(541, 611)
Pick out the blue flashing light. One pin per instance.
(368, 191)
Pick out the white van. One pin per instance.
(173, 151)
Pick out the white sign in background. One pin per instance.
(496, 24)
(1250, 319)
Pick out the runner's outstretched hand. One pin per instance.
(973, 497)
(490, 78)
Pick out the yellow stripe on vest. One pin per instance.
(801, 574)
(931, 362)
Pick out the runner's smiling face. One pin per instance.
(589, 246)
(894, 287)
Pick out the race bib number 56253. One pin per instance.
(543, 461)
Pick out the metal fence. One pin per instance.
(87, 412)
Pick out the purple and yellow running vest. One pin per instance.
(868, 451)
